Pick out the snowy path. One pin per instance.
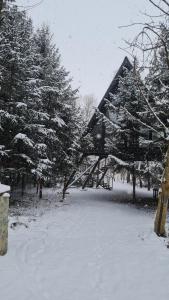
(92, 249)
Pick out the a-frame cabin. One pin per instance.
(98, 131)
(96, 128)
(112, 89)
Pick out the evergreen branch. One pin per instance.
(151, 109)
(114, 125)
(139, 121)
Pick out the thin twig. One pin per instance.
(159, 7)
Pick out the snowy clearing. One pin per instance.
(90, 248)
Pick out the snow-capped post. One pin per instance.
(4, 207)
(161, 214)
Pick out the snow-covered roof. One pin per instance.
(118, 161)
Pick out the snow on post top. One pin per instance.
(4, 188)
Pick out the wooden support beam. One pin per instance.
(80, 176)
(90, 174)
(103, 135)
(100, 180)
(98, 171)
(67, 183)
(74, 171)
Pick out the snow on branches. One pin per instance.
(39, 121)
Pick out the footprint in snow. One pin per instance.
(14, 225)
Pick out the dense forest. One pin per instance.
(39, 117)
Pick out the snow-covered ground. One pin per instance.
(90, 248)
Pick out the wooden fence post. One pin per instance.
(4, 207)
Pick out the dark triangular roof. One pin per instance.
(111, 90)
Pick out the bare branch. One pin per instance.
(128, 52)
(28, 7)
(159, 7)
(166, 2)
(152, 16)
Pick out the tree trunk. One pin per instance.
(141, 183)
(40, 188)
(128, 177)
(1, 7)
(134, 184)
(23, 183)
(161, 214)
(149, 183)
(65, 185)
(37, 186)
(148, 179)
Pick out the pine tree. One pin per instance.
(15, 73)
(58, 101)
(157, 80)
(128, 127)
(126, 109)
(39, 118)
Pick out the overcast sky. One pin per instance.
(87, 34)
